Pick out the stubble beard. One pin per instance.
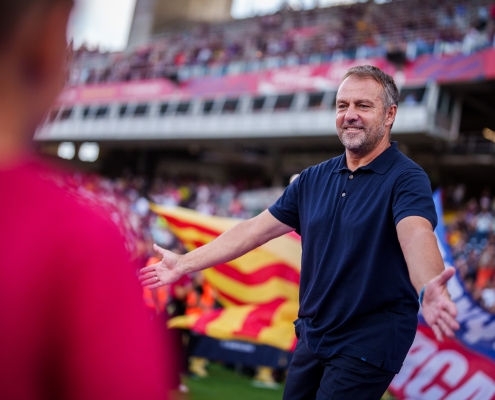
(362, 142)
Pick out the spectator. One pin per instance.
(352, 30)
(486, 267)
(484, 221)
(200, 299)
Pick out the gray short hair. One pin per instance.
(390, 92)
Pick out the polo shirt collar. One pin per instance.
(380, 164)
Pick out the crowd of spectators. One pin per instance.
(471, 235)
(126, 200)
(398, 29)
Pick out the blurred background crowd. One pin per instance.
(290, 37)
(470, 221)
(471, 235)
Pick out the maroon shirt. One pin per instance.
(72, 323)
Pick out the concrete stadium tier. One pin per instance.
(292, 116)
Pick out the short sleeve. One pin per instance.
(286, 208)
(413, 197)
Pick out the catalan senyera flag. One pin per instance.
(258, 290)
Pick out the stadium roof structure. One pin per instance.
(153, 16)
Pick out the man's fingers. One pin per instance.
(156, 285)
(450, 321)
(451, 308)
(445, 276)
(438, 332)
(153, 282)
(149, 275)
(159, 250)
(445, 328)
(147, 269)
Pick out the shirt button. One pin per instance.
(351, 176)
(343, 194)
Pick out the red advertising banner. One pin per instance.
(447, 371)
(107, 92)
(292, 79)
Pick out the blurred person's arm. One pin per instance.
(426, 270)
(235, 242)
(112, 352)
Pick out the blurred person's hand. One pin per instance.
(164, 272)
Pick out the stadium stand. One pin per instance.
(252, 100)
(400, 30)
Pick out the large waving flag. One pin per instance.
(270, 324)
(459, 369)
(258, 290)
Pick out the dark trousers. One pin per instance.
(338, 378)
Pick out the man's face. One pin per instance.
(361, 119)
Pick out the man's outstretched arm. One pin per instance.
(235, 242)
(425, 265)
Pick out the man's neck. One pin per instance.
(356, 160)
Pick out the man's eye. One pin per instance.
(364, 106)
(341, 106)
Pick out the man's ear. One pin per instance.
(390, 115)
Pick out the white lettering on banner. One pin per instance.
(420, 351)
(466, 310)
(300, 78)
(478, 387)
(470, 313)
(457, 369)
(142, 89)
(288, 77)
(238, 346)
(432, 374)
(478, 330)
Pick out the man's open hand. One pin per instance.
(439, 311)
(162, 273)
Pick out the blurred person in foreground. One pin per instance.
(73, 324)
(366, 221)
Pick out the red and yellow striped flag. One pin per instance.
(269, 324)
(258, 290)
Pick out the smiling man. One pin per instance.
(366, 221)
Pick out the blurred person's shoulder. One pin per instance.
(36, 197)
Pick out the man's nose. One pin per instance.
(351, 114)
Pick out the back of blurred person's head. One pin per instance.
(32, 67)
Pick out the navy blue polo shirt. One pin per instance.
(355, 294)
